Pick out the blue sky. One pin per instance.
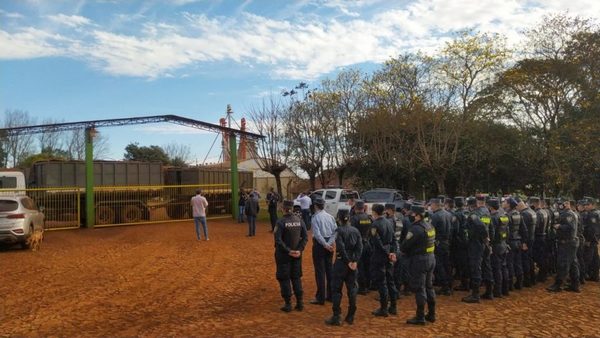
(83, 60)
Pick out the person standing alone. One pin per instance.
(199, 205)
(272, 200)
(251, 210)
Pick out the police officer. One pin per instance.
(402, 264)
(323, 231)
(579, 214)
(348, 243)
(591, 233)
(382, 259)
(419, 247)
(551, 244)
(539, 243)
(499, 247)
(290, 240)
(458, 247)
(529, 218)
(396, 220)
(478, 240)
(362, 222)
(441, 220)
(566, 233)
(517, 231)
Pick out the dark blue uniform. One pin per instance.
(348, 249)
(459, 248)
(441, 220)
(529, 219)
(539, 244)
(419, 247)
(591, 233)
(382, 269)
(290, 235)
(478, 235)
(500, 224)
(362, 222)
(517, 232)
(567, 263)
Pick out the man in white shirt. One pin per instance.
(199, 204)
(305, 203)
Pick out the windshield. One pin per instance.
(7, 182)
(378, 196)
(346, 195)
(8, 205)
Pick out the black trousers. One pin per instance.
(592, 260)
(527, 262)
(443, 274)
(343, 275)
(322, 260)
(289, 271)
(364, 266)
(421, 280)
(581, 261)
(273, 217)
(539, 257)
(382, 271)
(567, 262)
(475, 260)
(513, 260)
(500, 270)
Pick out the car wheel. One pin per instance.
(131, 214)
(105, 215)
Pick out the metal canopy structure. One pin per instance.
(184, 121)
(90, 131)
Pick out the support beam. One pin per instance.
(235, 187)
(90, 214)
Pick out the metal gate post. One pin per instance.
(234, 174)
(89, 177)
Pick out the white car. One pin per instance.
(19, 219)
(335, 199)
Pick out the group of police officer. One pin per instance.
(502, 244)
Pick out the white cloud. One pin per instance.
(301, 48)
(69, 20)
(11, 15)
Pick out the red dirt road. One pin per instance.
(157, 280)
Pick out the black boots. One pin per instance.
(555, 287)
(392, 309)
(430, 317)
(419, 319)
(519, 283)
(381, 312)
(299, 304)
(473, 297)
(505, 287)
(489, 295)
(287, 307)
(350, 316)
(334, 321)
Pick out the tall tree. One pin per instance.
(153, 153)
(271, 153)
(17, 147)
(179, 154)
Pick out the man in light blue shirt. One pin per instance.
(323, 229)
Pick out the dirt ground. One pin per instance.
(157, 280)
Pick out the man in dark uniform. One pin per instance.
(362, 222)
(403, 277)
(539, 243)
(458, 247)
(441, 220)
(529, 218)
(566, 233)
(499, 248)
(579, 213)
(396, 220)
(419, 247)
(478, 241)
(272, 200)
(516, 231)
(348, 244)
(290, 240)
(591, 233)
(551, 244)
(382, 259)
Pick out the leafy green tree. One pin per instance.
(153, 153)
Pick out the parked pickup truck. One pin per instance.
(382, 196)
(335, 199)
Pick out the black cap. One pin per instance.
(343, 215)
(390, 206)
(534, 199)
(471, 201)
(359, 204)
(459, 201)
(512, 201)
(494, 203)
(288, 204)
(589, 200)
(378, 208)
(417, 209)
(319, 201)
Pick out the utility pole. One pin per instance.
(234, 168)
(90, 213)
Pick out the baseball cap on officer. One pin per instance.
(359, 204)
(418, 209)
(343, 215)
(494, 203)
(459, 201)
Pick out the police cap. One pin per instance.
(471, 201)
(343, 215)
(417, 209)
(359, 204)
(390, 206)
(435, 201)
(534, 199)
(459, 201)
(288, 204)
(589, 200)
(494, 203)
(512, 201)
